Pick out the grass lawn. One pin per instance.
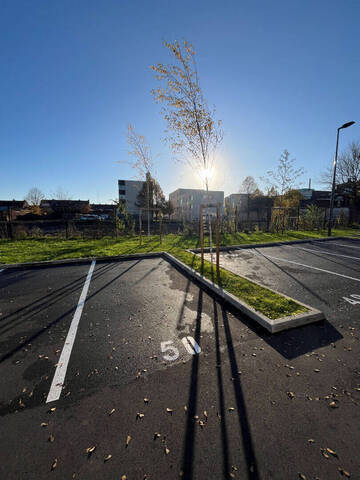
(260, 298)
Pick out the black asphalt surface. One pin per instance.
(245, 407)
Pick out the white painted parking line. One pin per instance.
(59, 377)
(322, 251)
(309, 266)
(344, 245)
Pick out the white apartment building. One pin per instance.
(128, 192)
(187, 201)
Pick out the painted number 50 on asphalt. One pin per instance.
(171, 352)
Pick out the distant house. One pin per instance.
(11, 209)
(65, 208)
(103, 209)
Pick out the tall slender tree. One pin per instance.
(192, 130)
(143, 164)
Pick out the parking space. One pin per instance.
(325, 275)
(136, 360)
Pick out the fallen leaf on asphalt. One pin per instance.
(124, 477)
(167, 451)
(112, 411)
(311, 440)
(21, 403)
(51, 438)
(316, 370)
(302, 476)
(107, 457)
(52, 409)
(205, 414)
(156, 435)
(332, 452)
(333, 405)
(24, 390)
(185, 408)
(324, 453)
(201, 423)
(54, 465)
(291, 394)
(146, 400)
(139, 415)
(231, 409)
(90, 450)
(169, 410)
(232, 475)
(43, 424)
(344, 472)
(128, 439)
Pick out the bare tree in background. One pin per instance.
(347, 172)
(34, 197)
(140, 151)
(191, 126)
(61, 194)
(284, 177)
(249, 186)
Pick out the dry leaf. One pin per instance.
(291, 394)
(332, 452)
(311, 440)
(52, 409)
(146, 400)
(302, 476)
(156, 435)
(205, 414)
(43, 424)
(344, 472)
(231, 409)
(139, 415)
(51, 438)
(169, 410)
(167, 451)
(90, 450)
(107, 457)
(333, 405)
(128, 439)
(24, 390)
(54, 465)
(111, 411)
(316, 370)
(185, 408)
(324, 453)
(124, 477)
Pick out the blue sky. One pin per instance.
(282, 74)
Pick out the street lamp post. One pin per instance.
(346, 125)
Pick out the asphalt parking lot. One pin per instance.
(136, 360)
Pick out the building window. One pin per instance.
(121, 192)
(122, 182)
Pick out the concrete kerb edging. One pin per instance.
(273, 326)
(269, 244)
(80, 261)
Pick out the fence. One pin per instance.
(84, 228)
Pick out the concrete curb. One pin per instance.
(268, 244)
(273, 326)
(80, 261)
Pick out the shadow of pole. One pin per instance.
(224, 435)
(252, 470)
(189, 442)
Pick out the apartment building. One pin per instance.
(128, 192)
(187, 201)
